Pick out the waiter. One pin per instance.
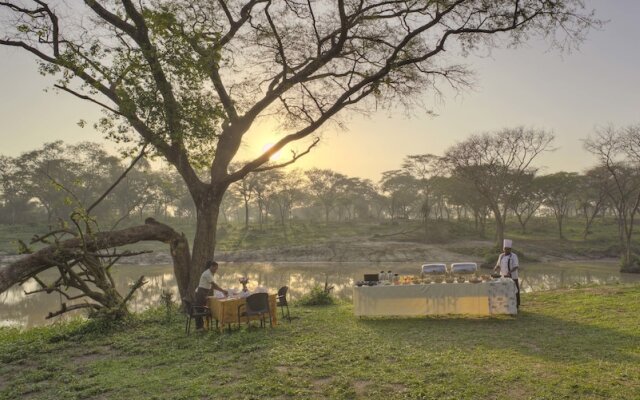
(508, 264)
(205, 288)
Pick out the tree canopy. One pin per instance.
(190, 78)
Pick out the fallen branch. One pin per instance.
(67, 250)
(64, 309)
(138, 284)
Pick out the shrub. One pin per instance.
(317, 297)
(166, 299)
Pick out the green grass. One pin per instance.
(568, 344)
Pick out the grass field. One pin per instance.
(568, 344)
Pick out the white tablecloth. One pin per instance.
(486, 298)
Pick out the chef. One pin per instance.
(508, 265)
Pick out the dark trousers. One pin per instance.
(517, 293)
(201, 300)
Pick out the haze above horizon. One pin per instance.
(568, 94)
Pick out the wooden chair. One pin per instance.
(281, 301)
(256, 304)
(193, 311)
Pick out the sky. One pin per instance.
(567, 94)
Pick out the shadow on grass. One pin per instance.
(531, 334)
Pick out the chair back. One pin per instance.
(187, 306)
(258, 302)
(193, 310)
(282, 296)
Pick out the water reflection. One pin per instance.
(17, 309)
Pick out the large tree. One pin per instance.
(618, 152)
(191, 78)
(495, 164)
(325, 186)
(402, 190)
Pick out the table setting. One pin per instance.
(224, 309)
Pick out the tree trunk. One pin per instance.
(560, 219)
(499, 226)
(204, 242)
(626, 254)
(246, 214)
(523, 224)
(260, 214)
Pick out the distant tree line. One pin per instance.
(48, 183)
(484, 178)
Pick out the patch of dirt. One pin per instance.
(516, 392)
(84, 359)
(90, 355)
(360, 387)
(282, 369)
(398, 388)
(322, 382)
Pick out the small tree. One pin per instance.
(591, 194)
(286, 195)
(527, 199)
(559, 192)
(244, 188)
(424, 167)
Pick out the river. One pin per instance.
(20, 310)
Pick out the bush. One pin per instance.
(316, 297)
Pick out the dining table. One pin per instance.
(225, 310)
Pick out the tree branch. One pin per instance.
(120, 178)
(294, 158)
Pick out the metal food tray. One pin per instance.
(464, 268)
(434, 269)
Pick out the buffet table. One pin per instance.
(485, 298)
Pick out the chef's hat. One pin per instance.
(507, 243)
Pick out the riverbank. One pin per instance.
(575, 344)
(378, 251)
(352, 241)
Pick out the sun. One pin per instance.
(276, 156)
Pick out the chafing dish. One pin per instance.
(465, 268)
(434, 269)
